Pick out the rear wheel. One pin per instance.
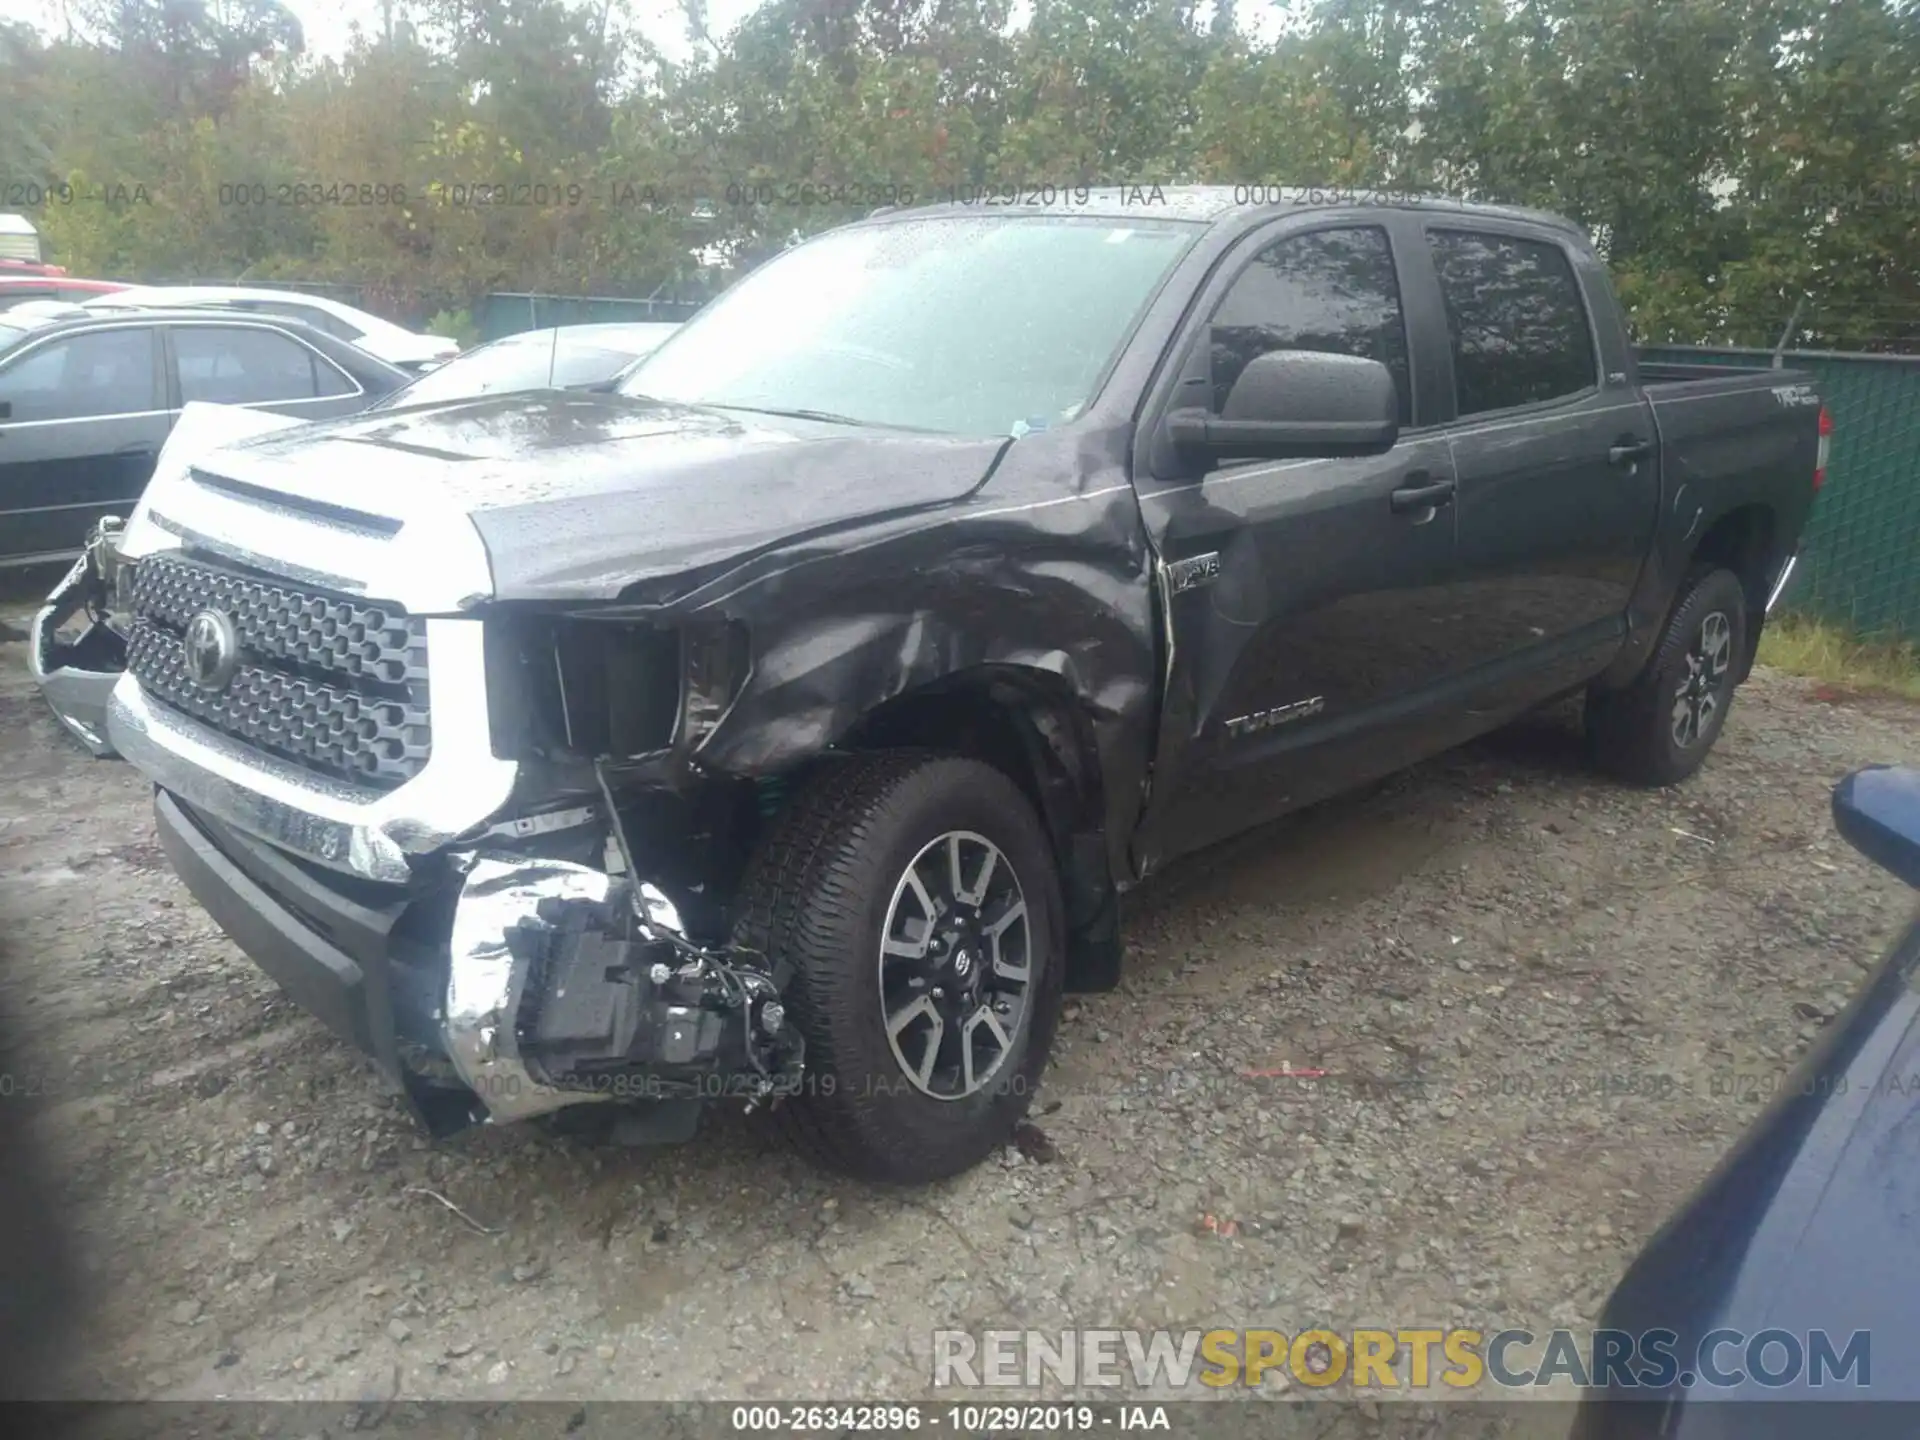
(1659, 729)
(915, 898)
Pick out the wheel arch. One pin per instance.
(1029, 724)
(1742, 541)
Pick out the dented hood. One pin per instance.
(580, 496)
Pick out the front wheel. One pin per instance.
(916, 900)
(1658, 730)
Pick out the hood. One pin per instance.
(577, 497)
(202, 429)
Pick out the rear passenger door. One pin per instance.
(1553, 452)
(82, 418)
(258, 365)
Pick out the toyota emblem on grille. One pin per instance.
(211, 652)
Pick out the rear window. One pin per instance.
(1519, 325)
(248, 365)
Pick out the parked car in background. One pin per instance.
(86, 402)
(383, 339)
(29, 313)
(569, 357)
(77, 673)
(17, 289)
(1806, 1228)
(86, 406)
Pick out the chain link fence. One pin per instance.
(1860, 566)
(508, 313)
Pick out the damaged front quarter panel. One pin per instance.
(1038, 587)
(1016, 625)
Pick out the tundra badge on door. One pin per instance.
(1243, 725)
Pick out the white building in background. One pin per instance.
(18, 239)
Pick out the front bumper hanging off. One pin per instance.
(549, 989)
(76, 675)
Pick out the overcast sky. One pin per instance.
(328, 22)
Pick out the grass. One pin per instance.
(1834, 656)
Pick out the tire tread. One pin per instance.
(805, 888)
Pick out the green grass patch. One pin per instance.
(1834, 656)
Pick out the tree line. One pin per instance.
(1741, 163)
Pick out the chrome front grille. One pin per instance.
(337, 684)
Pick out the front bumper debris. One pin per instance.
(559, 993)
(76, 675)
(548, 990)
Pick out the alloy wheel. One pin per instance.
(956, 958)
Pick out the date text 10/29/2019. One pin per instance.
(957, 1419)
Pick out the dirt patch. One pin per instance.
(1524, 987)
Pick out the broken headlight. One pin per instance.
(619, 688)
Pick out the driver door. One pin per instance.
(1304, 599)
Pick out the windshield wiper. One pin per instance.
(827, 416)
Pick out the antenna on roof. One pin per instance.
(553, 355)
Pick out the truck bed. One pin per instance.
(1656, 373)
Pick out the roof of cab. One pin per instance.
(1203, 204)
(43, 325)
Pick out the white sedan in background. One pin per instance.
(392, 343)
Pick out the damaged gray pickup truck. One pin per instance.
(786, 726)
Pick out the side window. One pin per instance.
(109, 372)
(1520, 331)
(329, 379)
(1330, 290)
(237, 365)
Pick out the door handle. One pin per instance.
(1431, 494)
(1628, 451)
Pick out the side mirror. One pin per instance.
(6, 409)
(1877, 811)
(1296, 404)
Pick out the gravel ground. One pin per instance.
(1544, 1004)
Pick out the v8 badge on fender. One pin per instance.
(1192, 573)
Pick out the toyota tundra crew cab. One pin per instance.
(788, 724)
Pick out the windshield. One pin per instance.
(964, 326)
